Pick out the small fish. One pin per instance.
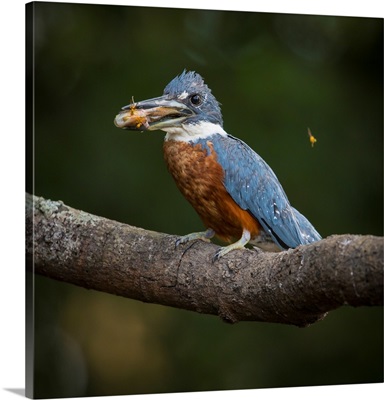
(135, 118)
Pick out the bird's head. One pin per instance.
(186, 104)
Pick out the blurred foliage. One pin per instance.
(275, 75)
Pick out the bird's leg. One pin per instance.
(206, 236)
(240, 244)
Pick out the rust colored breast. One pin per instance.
(200, 179)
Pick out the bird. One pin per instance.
(233, 190)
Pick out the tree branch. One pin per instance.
(295, 287)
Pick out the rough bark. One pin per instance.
(297, 286)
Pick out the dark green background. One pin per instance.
(275, 76)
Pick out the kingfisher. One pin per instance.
(234, 191)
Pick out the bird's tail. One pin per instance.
(308, 233)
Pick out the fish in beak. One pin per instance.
(149, 115)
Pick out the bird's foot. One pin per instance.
(205, 236)
(240, 244)
(226, 249)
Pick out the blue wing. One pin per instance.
(255, 188)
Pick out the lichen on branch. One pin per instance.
(298, 287)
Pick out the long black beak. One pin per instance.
(157, 113)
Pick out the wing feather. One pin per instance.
(255, 188)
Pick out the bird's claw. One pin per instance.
(180, 241)
(218, 254)
(222, 252)
(234, 246)
(205, 236)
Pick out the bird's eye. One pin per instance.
(195, 99)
